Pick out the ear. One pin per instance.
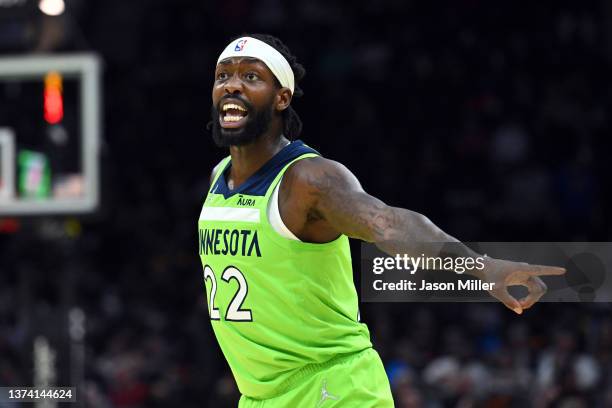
(283, 99)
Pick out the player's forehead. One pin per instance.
(241, 61)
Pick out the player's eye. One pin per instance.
(251, 76)
(221, 76)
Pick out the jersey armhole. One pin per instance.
(272, 210)
(274, 216)
(281, 173)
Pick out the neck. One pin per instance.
(247, 159)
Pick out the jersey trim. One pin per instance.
(274, 216)
(259, 183)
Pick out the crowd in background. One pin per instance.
(493, 119)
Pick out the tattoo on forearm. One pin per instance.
(359, 215)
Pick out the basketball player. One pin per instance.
(273, 239)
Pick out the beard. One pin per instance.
(257, 123)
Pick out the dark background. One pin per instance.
(491, 118)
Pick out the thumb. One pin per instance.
(508, 300)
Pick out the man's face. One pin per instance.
(244, 99)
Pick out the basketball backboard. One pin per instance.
(49, 134)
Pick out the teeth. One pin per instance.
(233, 106)
(229, 118)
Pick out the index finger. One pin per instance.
(544, 270)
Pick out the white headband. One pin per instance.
(252, 47)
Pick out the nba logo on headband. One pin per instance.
(240, 45)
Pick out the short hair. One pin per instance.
(292, 124)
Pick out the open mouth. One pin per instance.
(232, 115)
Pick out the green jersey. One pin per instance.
(279, 307)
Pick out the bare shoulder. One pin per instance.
(318, 175)
(307, 186)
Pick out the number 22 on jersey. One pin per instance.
(234, 311)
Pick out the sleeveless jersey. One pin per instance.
(278, 307)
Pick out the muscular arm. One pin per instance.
(328, 191)
(336, 195)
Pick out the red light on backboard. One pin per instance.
(53, 99)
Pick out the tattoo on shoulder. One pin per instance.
(327, 182)
(358, 212)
